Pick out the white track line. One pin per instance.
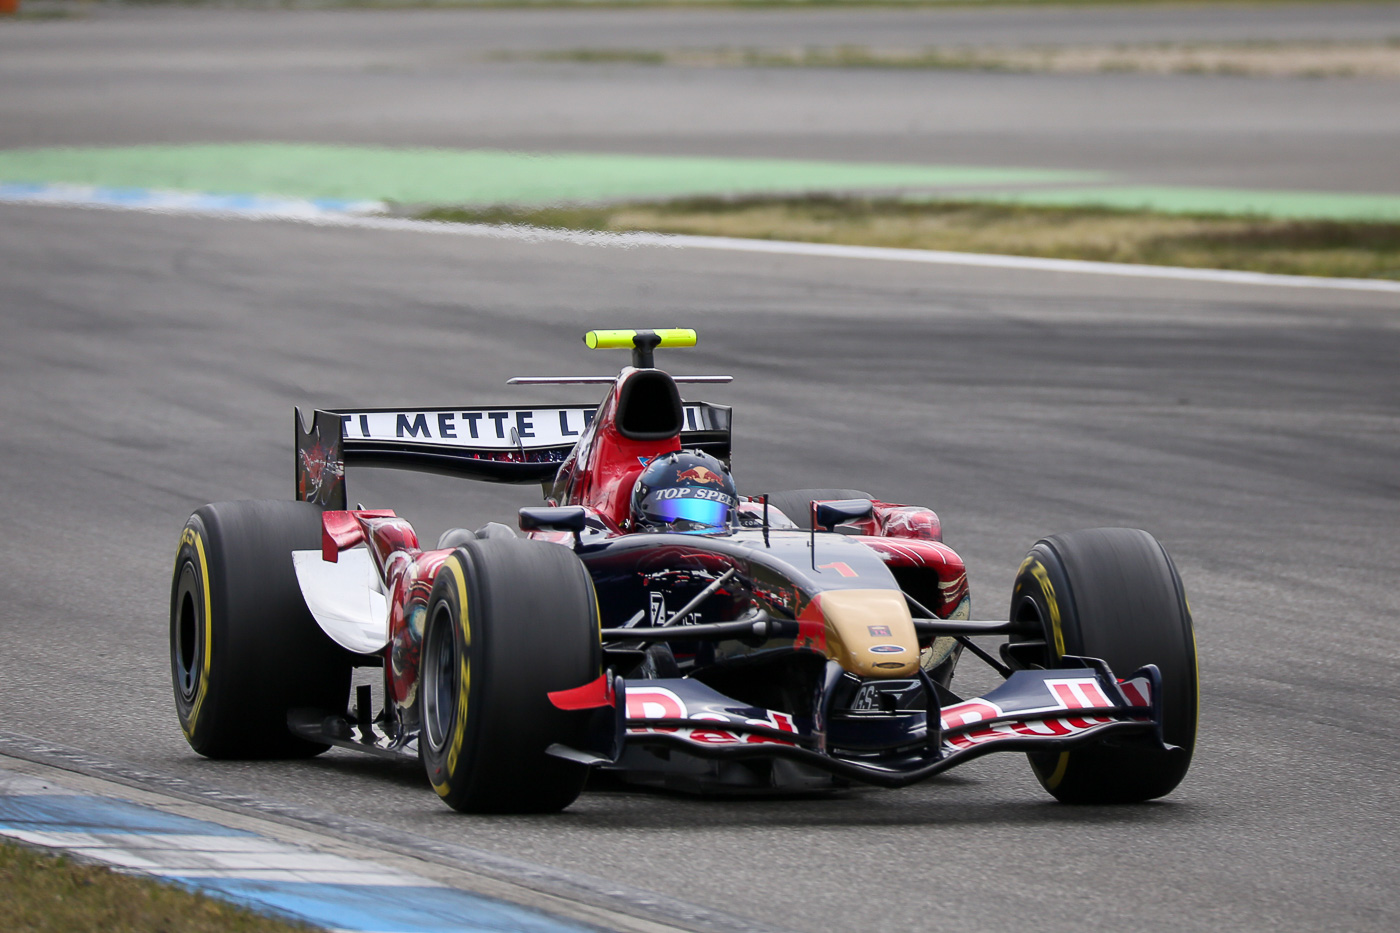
(834, 251)
(317, 215)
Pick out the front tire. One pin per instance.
(509, 621)
(1114, 594)
(244, 650)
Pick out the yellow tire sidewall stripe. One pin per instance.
(1047, 589)
(453, 566)
(195, 540)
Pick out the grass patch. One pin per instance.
(756, 4)
(45, 13)
(47, 894)
(1329, 248)
(1380, 58)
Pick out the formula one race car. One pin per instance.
(654, 623)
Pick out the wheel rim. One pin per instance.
(439, 678)
(188, 636)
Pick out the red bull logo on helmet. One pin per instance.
(699, 474)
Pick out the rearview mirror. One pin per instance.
(554, 518)
(833, 513)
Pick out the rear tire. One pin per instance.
(244, 650)
(1114, 594)
(796, 504)
(509, 621)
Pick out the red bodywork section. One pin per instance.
(931, 555)
(902, 521)
(407, 573)
(595, 693)
(911, 536)
(602, 469)
(599, 475)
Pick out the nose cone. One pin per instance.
(870, 632)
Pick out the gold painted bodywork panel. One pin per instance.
(854, 620)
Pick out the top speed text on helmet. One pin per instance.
(687, 491)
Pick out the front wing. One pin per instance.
(1033, 710)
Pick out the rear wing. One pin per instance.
(500, 444)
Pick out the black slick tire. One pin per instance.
(244, 650)
(509, 621)
(1114, 594)
(796, 504)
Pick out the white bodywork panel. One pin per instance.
(345, 598)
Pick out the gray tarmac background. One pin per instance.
(134, 75)
(149, 364)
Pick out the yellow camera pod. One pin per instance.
(626, 339)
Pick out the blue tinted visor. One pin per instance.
(708, 513)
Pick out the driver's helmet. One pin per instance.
(686, 491)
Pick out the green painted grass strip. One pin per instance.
(477, 177)
(483, 177)
(1289, 205)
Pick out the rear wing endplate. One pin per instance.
(501, 445)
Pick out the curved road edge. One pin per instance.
(575, 899)
(324, 214)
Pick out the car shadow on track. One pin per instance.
(866, 810)
(609, 803)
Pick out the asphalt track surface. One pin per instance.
(145, 76)
(149, 364)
